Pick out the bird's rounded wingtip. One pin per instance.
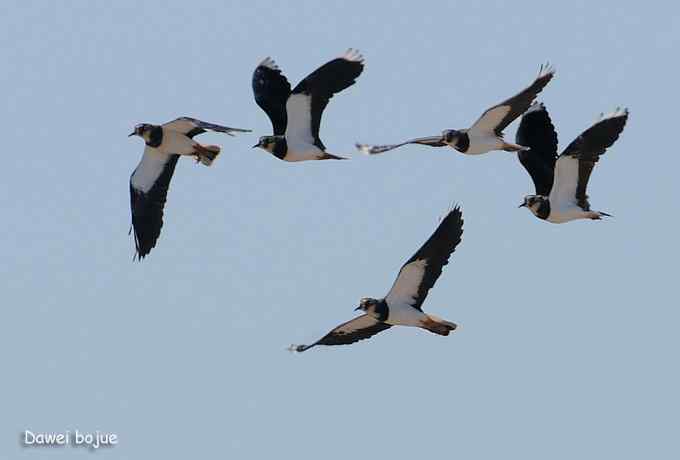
(363, 148)
(618, 112)
(353, 55)
(297, 348)
(546, 69)
(536, 107)
(269, 63)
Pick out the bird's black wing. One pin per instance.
(537, 132)
(148, 191)
(432, 141)
(420, 272)
(271, 90)
(498, 117)
(310, 97)
(576, 162)
(360, 328)
(192, 127)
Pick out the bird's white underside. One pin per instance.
(299, 111)
(149, 169)
(299, 129)
(358, 323)
(488, 122)
(563, 207)
(403, 294)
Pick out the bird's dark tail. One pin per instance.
(438, 325)
(330, 156)
(206, 154)
(598, 215)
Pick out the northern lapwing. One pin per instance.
(296, 115)
(150, 180)
(402, 306)
(486, 134)
(561, 181)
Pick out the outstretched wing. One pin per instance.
(421, 271)
(360, 328)
(192, 127)
(148, 191)
(432, 141)
(576, 163)
(271, 90)
(498, 117)
(310, 97)
(537, 132)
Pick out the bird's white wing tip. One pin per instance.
(619, 112)
(353, 55)
(452, 207)
(269, 63)
(297, 348)
(365, 148)
(536, 107)
(546, 69)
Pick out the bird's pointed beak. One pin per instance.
(357, 309)
(256, 145)
(523, 205)
(132, 134)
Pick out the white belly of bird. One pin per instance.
(483, 144)
(405, 315)
(566, 214)
(302, 151)
(174, 142)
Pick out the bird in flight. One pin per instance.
(486, 134)
(561, 181)
(296, 115)
(150, 180)
(402, 306)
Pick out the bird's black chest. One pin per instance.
(280, 148)
(155, 137)
(463, 143)
(543, 210)
(382, 311)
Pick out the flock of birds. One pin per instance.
(560, 180)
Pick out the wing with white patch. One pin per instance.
(192, 127)
(360, 328)
(576, 163)
(537, 132)
(421, 271)
(271, 90)
(148, 191)
(432, 141)
(498, 117)
(310, 97)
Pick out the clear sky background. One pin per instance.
(568, 341)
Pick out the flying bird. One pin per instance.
(150, 180)
(561, 181)
(296, 115)
(486, 134)
(402, 306)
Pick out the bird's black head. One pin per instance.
(451, 136)
(276, 145)
(368, 305)
(268, 143)
(141, 129)
(537, 204)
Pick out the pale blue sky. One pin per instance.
(568, 342)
